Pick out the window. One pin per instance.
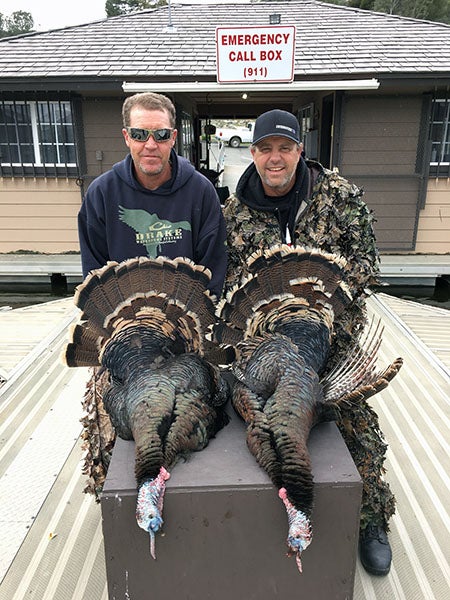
(308, 135)
(440, 134)
(306, 119)
(37, 138)
(187, 137)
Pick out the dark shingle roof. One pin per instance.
(330, 40)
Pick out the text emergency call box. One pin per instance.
(255, 54)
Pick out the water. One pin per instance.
(438, 296)
(423, 295)
(9, 300)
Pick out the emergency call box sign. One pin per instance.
(255, 54)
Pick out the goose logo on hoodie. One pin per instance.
(151, 231)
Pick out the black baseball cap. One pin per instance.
(276, 122)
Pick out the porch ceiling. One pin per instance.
(211, 98)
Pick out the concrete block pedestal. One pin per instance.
(225, 527)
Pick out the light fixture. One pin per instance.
(275, 18)
(244, 96)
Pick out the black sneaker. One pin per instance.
(374, 550)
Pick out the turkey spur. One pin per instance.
(280, 320)
(145, 320)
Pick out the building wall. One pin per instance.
(378, 152)
(39, 215)
(102, 123)
(433, 235)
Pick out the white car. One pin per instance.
(235, 136)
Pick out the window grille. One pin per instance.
(306, 119)
(187, 136)
(440, 137)
(37, 138)
(308, 135)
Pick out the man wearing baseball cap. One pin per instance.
(283, 198)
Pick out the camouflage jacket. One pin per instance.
(336, 219)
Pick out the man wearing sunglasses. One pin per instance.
(152, 203)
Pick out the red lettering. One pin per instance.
(255, 39)
(241, 56)
(270, 55)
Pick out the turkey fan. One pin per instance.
(281, 321)
(145, 321)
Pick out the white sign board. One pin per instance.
(251, 54)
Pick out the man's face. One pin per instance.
(150, 158)
(276, 160)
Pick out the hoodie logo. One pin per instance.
(151, 231)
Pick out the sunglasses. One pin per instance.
(142, 135)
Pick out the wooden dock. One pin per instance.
(50, 531)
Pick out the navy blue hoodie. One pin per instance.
(120, 219)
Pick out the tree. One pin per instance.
(114, 8)
(364, 4)
(19, 22)
(341, 2)
(431, 10)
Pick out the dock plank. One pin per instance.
(22, 330)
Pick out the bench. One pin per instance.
(225, 527)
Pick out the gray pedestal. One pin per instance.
(225, 527)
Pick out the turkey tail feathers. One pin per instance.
(290, 262)
(141, 290)
(82, 351)
(284, 276)
(91, 298)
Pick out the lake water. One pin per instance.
(19, 300)
(439, 297)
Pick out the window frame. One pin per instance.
(186, 143)
(439, 167)
(305, 117)
(55, 125)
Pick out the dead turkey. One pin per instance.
(280, 320)
(145, 320)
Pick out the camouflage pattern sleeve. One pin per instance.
(342, 223)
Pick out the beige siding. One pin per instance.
(433, 234)
(39, 215)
